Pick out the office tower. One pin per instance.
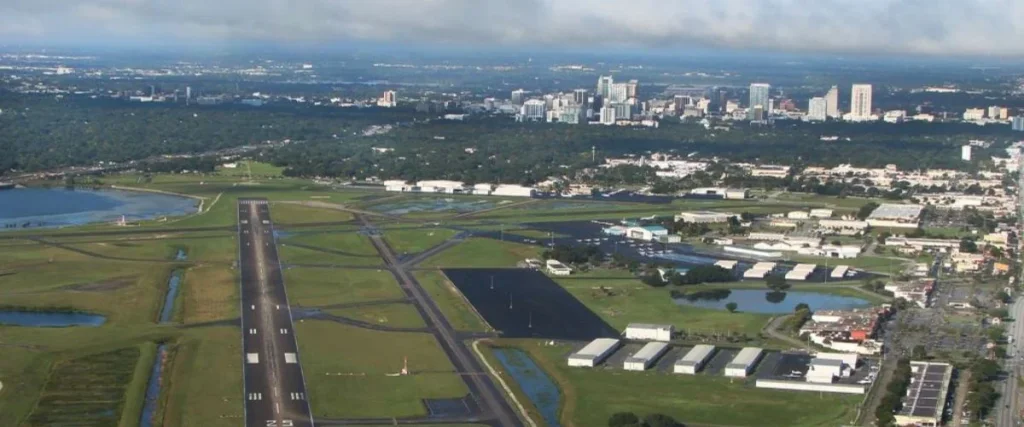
(619, 92)
(390, 99)
(758, 98)
(1017, 124)
(817, 109)
(517, 96)
(550, 102)
(604, 86)
(580, 96)
(965, 153)
(680, 101)
(572, 115)
(973, 114)
(860, 102)
(996, 112)
(832, 102)
(533, 109)
(607, 115)
(188, 94)
(631, 88)
(623, 110)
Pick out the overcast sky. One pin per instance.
(931, 27)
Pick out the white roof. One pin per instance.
(745, 357)
(891, 210)
(697, 354)
(817, 361)
(726, 264)
(807, 267)
(649, 351)
(597, 347)
(648, 326)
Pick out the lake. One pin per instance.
(49, 319)
(61, 207)
(766, 302)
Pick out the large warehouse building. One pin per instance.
(643, 359)
(890, 215)
(926, 396)
(694, 360)
(744, 362)
(648, 332)
(594, 353)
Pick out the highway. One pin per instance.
(481, 387)
(1008, 409)
(275, 390)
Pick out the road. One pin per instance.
(481, 388)
(1008, 406)
(275, 390)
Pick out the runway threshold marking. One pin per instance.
(252, 358)
(290, 358)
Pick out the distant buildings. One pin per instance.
(817, 109)
(1018, 124)
(832, 102)
(517, 96)
(388, 100)
(758, 107)
(860, 102)
(974, 114)
(965, 153)
(607, 115)
(604, 86)
(580, 96)
(533, 110)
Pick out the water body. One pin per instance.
(60, 207)
(767, 302)
(173, 283)
(153, 387)
(49, 319)
(434, 205)
(535, 383)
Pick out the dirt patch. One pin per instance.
(103, 286)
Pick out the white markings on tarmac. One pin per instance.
(284, 331)
(252, 331)
(253, 306)
(298, 396)
(255, 396)
(290, 358)
(252, 358)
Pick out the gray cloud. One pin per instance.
(935, 27)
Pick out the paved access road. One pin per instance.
(1008, 409)
(275, 391)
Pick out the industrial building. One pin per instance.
(724, 193)
(801, 272)
(744, 362)
(594, 353)
(643, 359)
(646, 233)
(649, 332)
(889, 215)
(839, 272)
(926, 396)
(694, 360)
(759, 270)
(556, 268)
(726, 264)
(705, 217)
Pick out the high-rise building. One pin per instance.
(817, 109)
(965, 153)
(631, 88)
(604, 86)
(860, 102)
(973, 114)
(572, 115)
(759, 93)
(995, 112)
(619, 92)
(832, 102)
(388, 100)
(533, 109)
(681, 101)
(1017, 124)
(580, 96)
(607, 115)
(623, 110)
(517, 96)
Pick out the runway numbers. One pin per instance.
(252, 358)
(255, 396)
(252, 331)
(298, 396)
(284, 423)
(290, 358)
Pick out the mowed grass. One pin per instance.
(411, 241)
(337, 248)
(453, 305)
(87, 390)
(481, 253)
(208, 293)
(863, 262)
(285, 214)
(256, 169)
(395, 315)
(203, 382)
(315, 287)
(591, 396)
(347, 371)
(623, 301)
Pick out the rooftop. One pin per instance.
(896, 211)
(926, 395)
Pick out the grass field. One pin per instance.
(592, 395)
(453, 305)
(286, 214)
(203, 383)
(395, 315)
(347, 371)
(316, 287)
(411, 241)
(245, 168)
(623, 301)
(481, 252)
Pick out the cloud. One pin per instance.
(932, 27)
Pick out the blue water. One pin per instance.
(433, 205)
(757, 301)
(59, 207)
(153, 388)
(173, 283)
(539, 388)
(50, 320)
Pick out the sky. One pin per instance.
(897, 27)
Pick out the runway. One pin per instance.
(275, 390)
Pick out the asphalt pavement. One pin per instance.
(275, 390)
(1008, 407)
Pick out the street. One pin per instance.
(1007, 409)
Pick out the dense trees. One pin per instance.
(574, 254)
(629, 419)
(703, 274)
(895, 391)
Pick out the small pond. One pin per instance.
(768, 302)
(538, 387)
(60, 207)
(49, 319)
